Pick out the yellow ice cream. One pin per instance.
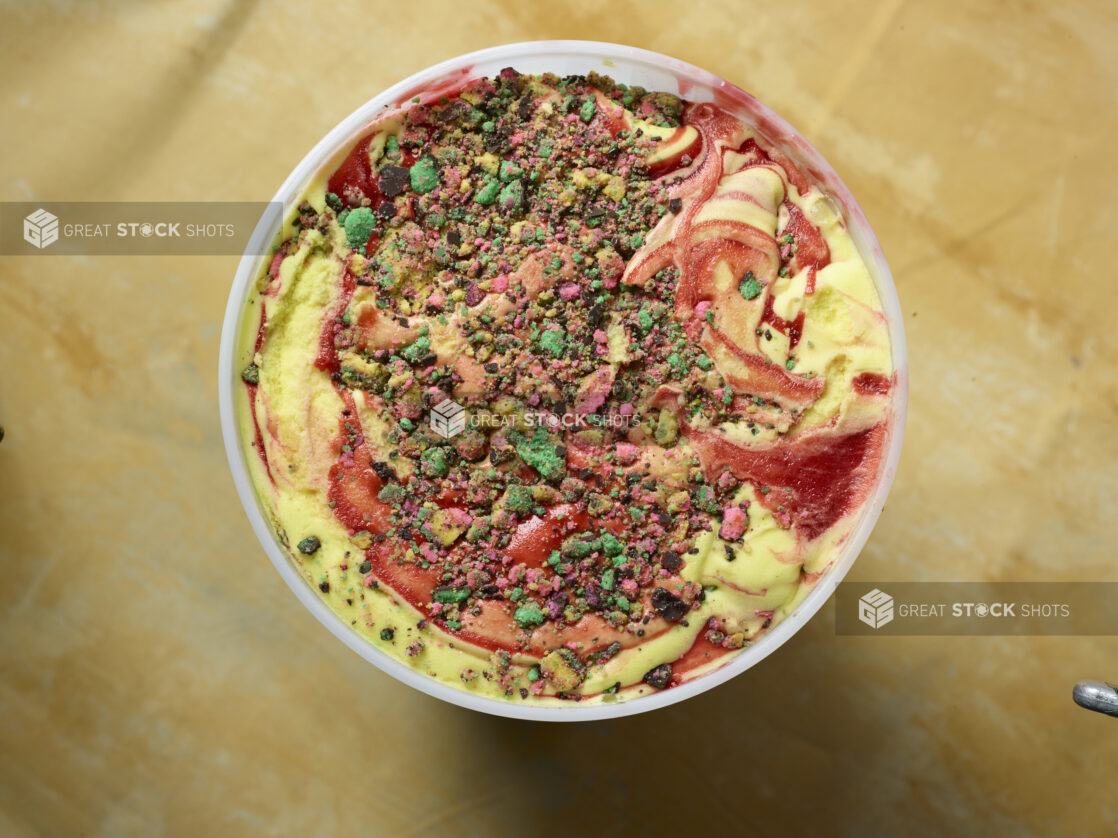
(673, 368)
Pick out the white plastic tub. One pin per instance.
(633, 67)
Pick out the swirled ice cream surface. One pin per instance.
(559, 390)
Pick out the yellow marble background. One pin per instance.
(157, 677)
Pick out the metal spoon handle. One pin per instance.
(1097, 696)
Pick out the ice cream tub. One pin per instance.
(637, 567)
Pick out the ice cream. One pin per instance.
(557, 390)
